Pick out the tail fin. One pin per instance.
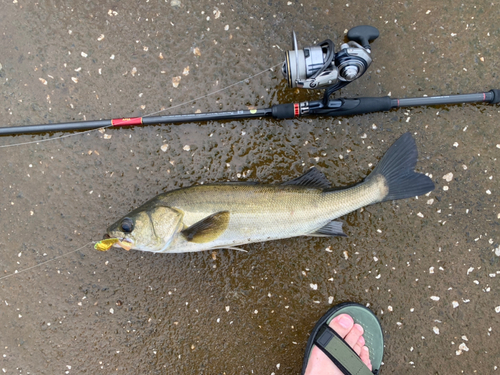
(397, 167)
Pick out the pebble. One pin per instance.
(454, 304)
(176, 81)
(436, 330)
(448, 177)
(462, 347)
(435, 298)
(314, 286)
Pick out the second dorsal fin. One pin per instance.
(313, 178)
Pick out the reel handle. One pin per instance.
(363, 34)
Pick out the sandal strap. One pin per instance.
(340, 352)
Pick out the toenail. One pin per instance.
(345, 322)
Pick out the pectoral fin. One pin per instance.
(208, 229)
(333, 228)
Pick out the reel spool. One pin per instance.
(319, 67)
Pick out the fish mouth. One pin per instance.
(124, 243)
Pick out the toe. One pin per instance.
(342, 324)
(359, 345)
(365, 357)
(354, 335)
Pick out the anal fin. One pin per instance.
(332, 229)
(207, 229)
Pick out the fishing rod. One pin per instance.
(314, 67)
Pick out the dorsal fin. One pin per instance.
(313, 178)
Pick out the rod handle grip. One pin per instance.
(358, 106)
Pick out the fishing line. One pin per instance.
(88, 131)
(53, 139)
(150, 114)
(215, 92)
(47, 261)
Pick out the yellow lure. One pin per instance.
(104, 245)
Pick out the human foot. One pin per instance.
(344, 326)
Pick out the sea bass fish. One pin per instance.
(228, 215)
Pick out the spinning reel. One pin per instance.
(319, 67)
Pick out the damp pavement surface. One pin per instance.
(429, 267)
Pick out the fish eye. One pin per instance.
(127, 225)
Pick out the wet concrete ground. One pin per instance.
(428, 267)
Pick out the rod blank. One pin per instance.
(338, 107)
